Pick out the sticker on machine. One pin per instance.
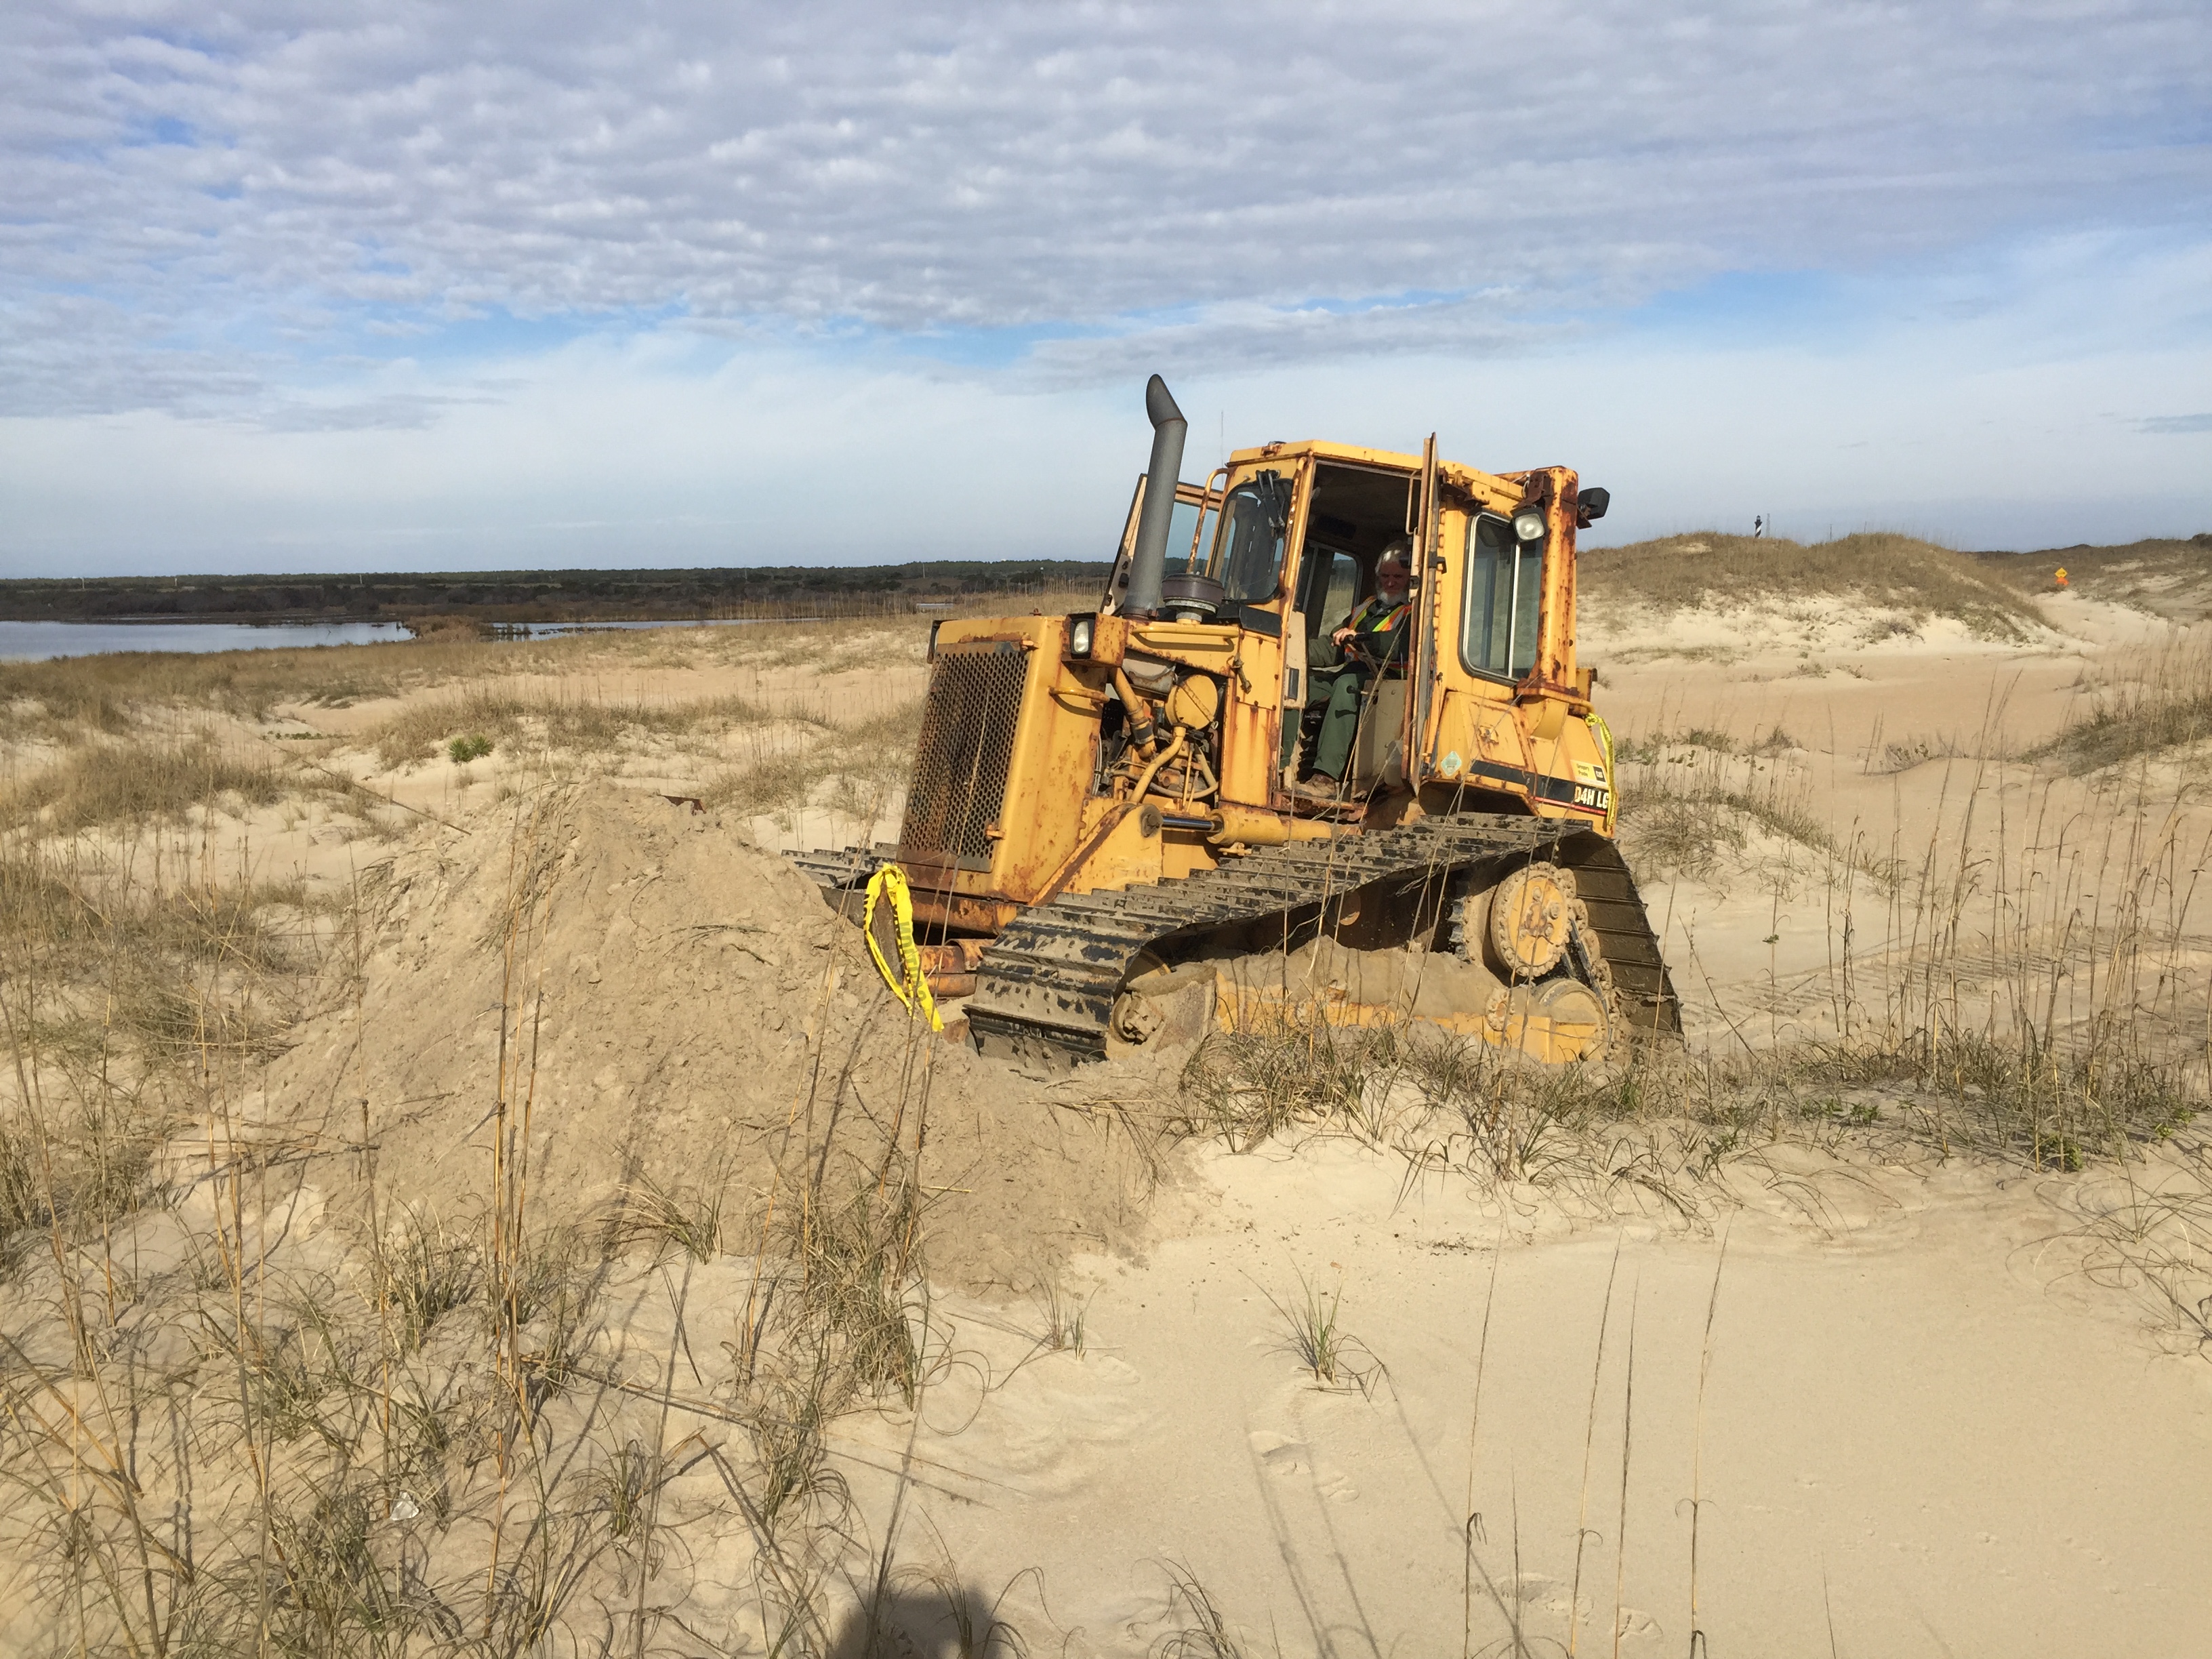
(1588, 772)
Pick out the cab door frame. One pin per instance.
(1423, 707)
(1253, 716)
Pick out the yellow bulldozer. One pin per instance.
(1110, 807)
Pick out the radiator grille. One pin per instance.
(967, 744)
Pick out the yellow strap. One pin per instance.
(911, 982)
(1604, 735)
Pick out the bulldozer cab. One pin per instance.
(1289, 537)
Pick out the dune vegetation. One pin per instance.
(318, 1340)
(1876, 569)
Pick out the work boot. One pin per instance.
(1317, 786)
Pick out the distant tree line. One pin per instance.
(507, 596)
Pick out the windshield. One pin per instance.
(1248, 557)
(1504, 585)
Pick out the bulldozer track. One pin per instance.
(1046, 987)
(843, 873)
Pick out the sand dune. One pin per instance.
(777, 1319)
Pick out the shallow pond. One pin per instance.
(38, 641)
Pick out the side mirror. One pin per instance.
(1590, 505)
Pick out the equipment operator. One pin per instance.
(1372, 641)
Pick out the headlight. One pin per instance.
(1528, 524)
(1079, 635)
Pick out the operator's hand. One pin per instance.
(1341, 637)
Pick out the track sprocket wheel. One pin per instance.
(1532, 913)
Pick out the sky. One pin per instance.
(444, 287)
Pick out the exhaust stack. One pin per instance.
(1148, 558)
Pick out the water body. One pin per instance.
(40, 641)
(37, 641)
(548, 630)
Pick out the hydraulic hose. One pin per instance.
(1142, 729)
(1145, 778)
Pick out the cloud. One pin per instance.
(435, 284)
(668, 447)
(1252, 338)
(218, 198)
(391, 412)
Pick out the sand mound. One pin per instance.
(670, 1004)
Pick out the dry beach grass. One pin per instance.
(401, 1257)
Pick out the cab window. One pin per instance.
(1248, 552)
(1189, 529)
(1505, 589)
(1331, 580)
(1342, 593)
(1190, 532)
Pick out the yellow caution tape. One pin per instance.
(1604, 735)
(911, 982)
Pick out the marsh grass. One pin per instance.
(162, 959)
(625, 1484)
(1899, 572)
(103, 745)
(484, 718)
(852, 767)
(122, 991)
(1201, 1629)
(963, 1625)
(2039, 1007)
(679, 1216)
(860, 1270)
(1654, 1129)
(1065, 1320)
(290, 1478)
(2147, 1233)
(2165, 575)
(1314, 1336)
(163, 778)
(421, 1273)
(119, 741)
(70, 699)
(2156, 704)
(1291, 1067)
(1690, 800)
(755, 756)
(416, 1453)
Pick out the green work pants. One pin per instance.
(1340, 723)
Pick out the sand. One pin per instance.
(1914, 1406)
(1912, 1424)
(678, 1007)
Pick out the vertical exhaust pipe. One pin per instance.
(1148, 559)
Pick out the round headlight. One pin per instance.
(1528, 524)
(1079, 637)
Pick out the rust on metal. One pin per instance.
(1149, 777)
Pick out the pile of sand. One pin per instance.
(674, 1005)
